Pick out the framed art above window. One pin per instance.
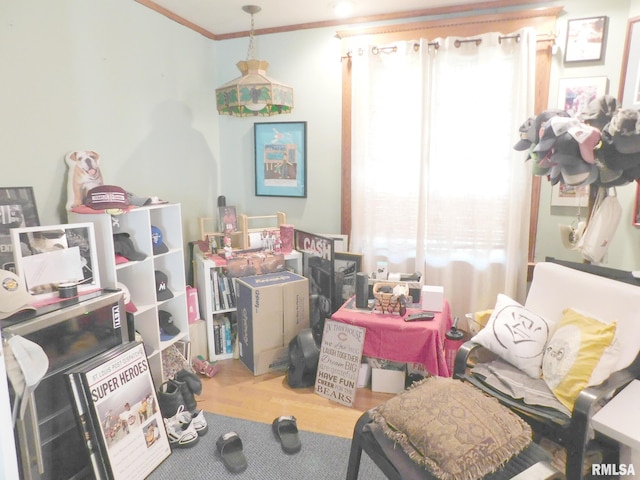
(586, 38)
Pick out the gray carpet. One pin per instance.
(323, 457)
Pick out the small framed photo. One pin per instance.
(17, 209)
(281, 159)
(575, 94)
(49, 256)
(630, 76)
(586, 39)
(563, 195)
(346, 265)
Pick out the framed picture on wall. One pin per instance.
(630, 76)
(569, 196)
(17, 209)
(585, 39)
(575, 94)
(281, 159)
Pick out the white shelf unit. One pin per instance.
(139, 276)
(207, 304)
(208, 312)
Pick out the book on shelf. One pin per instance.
(215, 290)
(116, 409)
(227, 335)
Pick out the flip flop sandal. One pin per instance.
(230, 449)
(286, 430)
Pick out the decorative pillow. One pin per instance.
(517, 335)
(573, 352)
(452, 428)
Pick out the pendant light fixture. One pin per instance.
(253, 94)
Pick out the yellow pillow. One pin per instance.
(573, 352)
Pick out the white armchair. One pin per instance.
(555, 288)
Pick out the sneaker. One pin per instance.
(180, 436)
(197, 419)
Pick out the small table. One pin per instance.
(620, 419)
(390, 337)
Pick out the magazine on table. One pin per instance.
(116, 408)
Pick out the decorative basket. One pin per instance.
(390, 302)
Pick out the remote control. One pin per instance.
(418, 317)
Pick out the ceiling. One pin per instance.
(219, 19)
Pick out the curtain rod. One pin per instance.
(416, 46)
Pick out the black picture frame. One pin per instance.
(281, 159)
(586, 39)
(345, 267)
(17, 209)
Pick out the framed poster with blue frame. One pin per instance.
(281, 159)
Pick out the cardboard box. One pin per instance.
(387, 381)
(272, 309)
(432, 298)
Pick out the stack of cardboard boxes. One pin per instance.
(272, 309)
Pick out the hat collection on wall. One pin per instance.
(601, 147)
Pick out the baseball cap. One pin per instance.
(14, 297)
(625, 130)
(552, 129)
(129, 306)
(599, 111)
(575, 171)
(162, 286)
(123, 245)
(158, 243)
(527, 134)
(168, 329)
(106, 196)
(588, 139)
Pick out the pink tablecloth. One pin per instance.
(390, 337)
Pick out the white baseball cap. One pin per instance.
(14, 297)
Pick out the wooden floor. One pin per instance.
(235, 392)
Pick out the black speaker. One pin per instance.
(362, 290)
(304, 354)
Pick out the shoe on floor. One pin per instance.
(180, 436)
(197, 419)
(285, 429)
(230, 449)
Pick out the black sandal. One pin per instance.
(286, 430)
(229, 447)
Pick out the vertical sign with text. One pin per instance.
(340, 355)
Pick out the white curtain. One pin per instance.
(437, 187)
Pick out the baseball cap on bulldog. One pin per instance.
(162, 286)
(168, 329)
(123, 245)
(158, 243)
(14, 297)
(106, 196)
(129, 306)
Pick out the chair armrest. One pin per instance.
(592, 397)
(462, 358)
